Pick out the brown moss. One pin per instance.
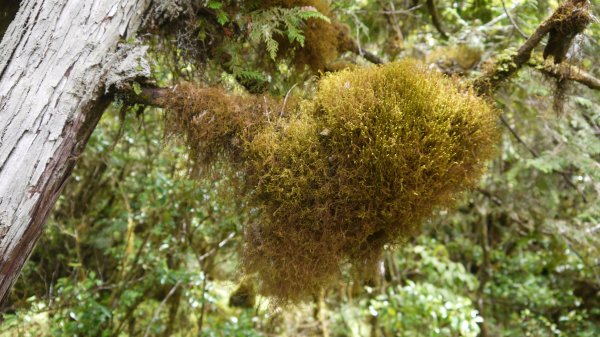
(572, 17)
(560, 96)
(569, 20)
(213, 122)
(360, 166)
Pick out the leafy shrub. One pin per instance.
(422, 309)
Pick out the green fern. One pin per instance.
(284, 22)
(222, 17)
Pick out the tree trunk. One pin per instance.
(57, 62)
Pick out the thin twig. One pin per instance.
(214, 249)
(160, 306)
(285, 99)
(357, 48)
(484, 274)
(203, 299)
(499, 17)
(535, 154)
(514, 23)
(393, 21)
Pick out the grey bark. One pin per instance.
(58, 59)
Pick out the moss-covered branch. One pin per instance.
(567, 71)
(570, 18)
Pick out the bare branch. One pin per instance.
(160, 306)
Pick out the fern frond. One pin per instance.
(287, 22)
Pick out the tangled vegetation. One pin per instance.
(138, 246)
(323, 40)
(339, 177)
(252, 37)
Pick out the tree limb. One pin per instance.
(512, 21)
(500, 71)
(435, 19)
(503, 68)
(567, 71)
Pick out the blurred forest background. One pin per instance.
(137, 247)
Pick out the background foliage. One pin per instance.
(137, 247)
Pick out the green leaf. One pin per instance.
(215, 4)
(222, 18)
(137, 88)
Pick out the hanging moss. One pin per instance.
(214, 122)
(359, 167)
(380, 148)
(568, 21)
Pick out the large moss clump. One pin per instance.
(360, 166)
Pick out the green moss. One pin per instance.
(449, 58)
(360, 166)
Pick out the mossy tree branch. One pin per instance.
(319, 155)
(575, 12)
(567, 71)
(504, 68)
(501, 70)
(148, 95)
